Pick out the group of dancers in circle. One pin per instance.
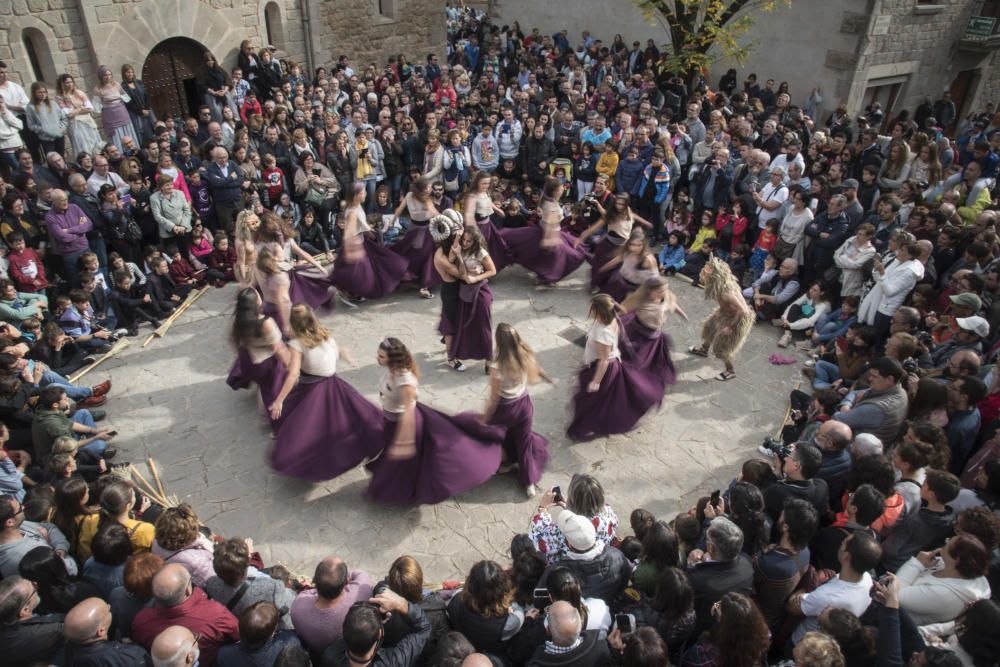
(417, 454)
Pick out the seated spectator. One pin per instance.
(722, 568)
(27, 638)
(176, 647)
(110, 549)
(659, 552)
(406, 579)
(16, 307)
(834, 439)
(771, 296)
(937, 586)
(602, 569)
(362, 635)
(864, 505)
(179, 602)
(318, 613)
(849, 590)
(178, 539)
(797, 480)
(261, 642)
(881, 409)
(779, 569)
(136, 593)
(116, 503)
(26, 267)
(738, 635)
(568, 642)
(875, 470)
(239, 586)
(133, 305)
(929, 527)
(18, 537)
(585, 496)
(89, 642)
(670, 613)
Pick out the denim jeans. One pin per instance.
(74, 393)
(826, 374)
(96, 447)
(71, 265)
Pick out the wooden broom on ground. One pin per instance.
(167, 323)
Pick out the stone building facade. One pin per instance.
(165, 39)
(855, 51)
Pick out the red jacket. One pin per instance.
(20, 268)
(249, 108)
(210, 620)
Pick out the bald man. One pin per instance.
(834, 440)
(175, 647)
(568, 643)
(87, 645)
(179, 602)
(477, 660)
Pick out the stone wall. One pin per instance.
(61, 40)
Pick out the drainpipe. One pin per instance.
(307, 33)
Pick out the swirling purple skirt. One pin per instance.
(650, 350)
(617, 287)
(472, 332)
(550, 264)
(417, 247)
(625, 395)
(454, 454)
(327, 428)
(495, 245)
(268, 375)
(308, 287)
(604, 252)
(375, 274)
(523, 446)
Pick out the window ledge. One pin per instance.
(379, 19)
(924, 10)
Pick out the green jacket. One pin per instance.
(46, 427)
(24, 306)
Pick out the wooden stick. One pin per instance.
(162, 330)
(788, 411)
(119, 345)
(149, 490)
(156, 476)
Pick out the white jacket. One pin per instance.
(851, 260)
(890, 289)
(10, 126)
(819, 309)
(930, 599)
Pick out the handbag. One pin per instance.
(315, 196)
(783, 249)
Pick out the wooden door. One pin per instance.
(961, 94)
(169, 74)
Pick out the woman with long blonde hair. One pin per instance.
(428, 456)
(611, 397)
(247, 223)
(631, 266)
(646, 312)
(513, 370)
(323, 426)
(478, 208)
(309, 282)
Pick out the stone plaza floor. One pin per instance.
(170, 402)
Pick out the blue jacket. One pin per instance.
(672, 257)
(661, 181)
(225, 190)
(628, 177)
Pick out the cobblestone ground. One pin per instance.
(170, 402)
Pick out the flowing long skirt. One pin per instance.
(82, 136)
(268, 375)
(375, 273)
(417, 247)
(550, 264)
(453, 455)
(472, 336)
(327, 428)
(617, 287)
(625, 395)
(604, 252)
(650, 350)
(495, 245)
(309, 286)
(523, 446)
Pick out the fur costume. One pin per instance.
(718, 281)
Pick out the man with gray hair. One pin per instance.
(568, 643)
(26, 638)
(175, 647)
(865, 444)
(826, 232)
(179, 602)
(722, 568)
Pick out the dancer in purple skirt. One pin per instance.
(307, 284)
(545, 248)
(619, 220)
(629, 267)
(446, 231)
(428, 456)
(274, 285)
(512, 371)
(471, 331)
(364, 269)
(611, 397)
(326, 426)
(263, 357)
(479, 207)
(417, 246)
(647, 309)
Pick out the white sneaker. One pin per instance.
(809, 363)
(121, 332)
(531, 490)
(765, 451)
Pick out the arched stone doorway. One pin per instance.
(169, 74)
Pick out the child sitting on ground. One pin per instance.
(26, 268)
(672, 254)
(694, 262)
(133, 305)
(99, 301)
(78, 321)
(162, 287)
(223, 258)
(183, 272)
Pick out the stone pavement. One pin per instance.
(170, 401)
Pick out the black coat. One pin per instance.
(712, 580)
(602, 577)
(37, 639)
(592, 652)
(107, 654)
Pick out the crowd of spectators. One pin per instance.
(867, 535)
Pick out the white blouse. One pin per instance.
(321, 360)
(390, 390)
(511, 387)
(605, 334)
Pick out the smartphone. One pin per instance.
(112, 434)
(625, 623)
(557, 490)
(541, 598)
(715, 498)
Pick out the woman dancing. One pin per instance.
(728, 327)
(469, 332)
(619, 219)
(611, 397)
(417, 246)
(326, 426)
(263, 357)
(478, 206)
(247, 223)
(446, 231)
(635, 264)
(274, 285)
(647, 309)
(513, 369)
(545, 248)
(364, 269)
(428, 455)
(308, 286)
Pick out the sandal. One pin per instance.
(698, 351)
(426, 293)
(725, 376)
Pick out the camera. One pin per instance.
(776, 447)
(911, 367)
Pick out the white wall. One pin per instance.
(602, 19)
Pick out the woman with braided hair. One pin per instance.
(727, 328)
